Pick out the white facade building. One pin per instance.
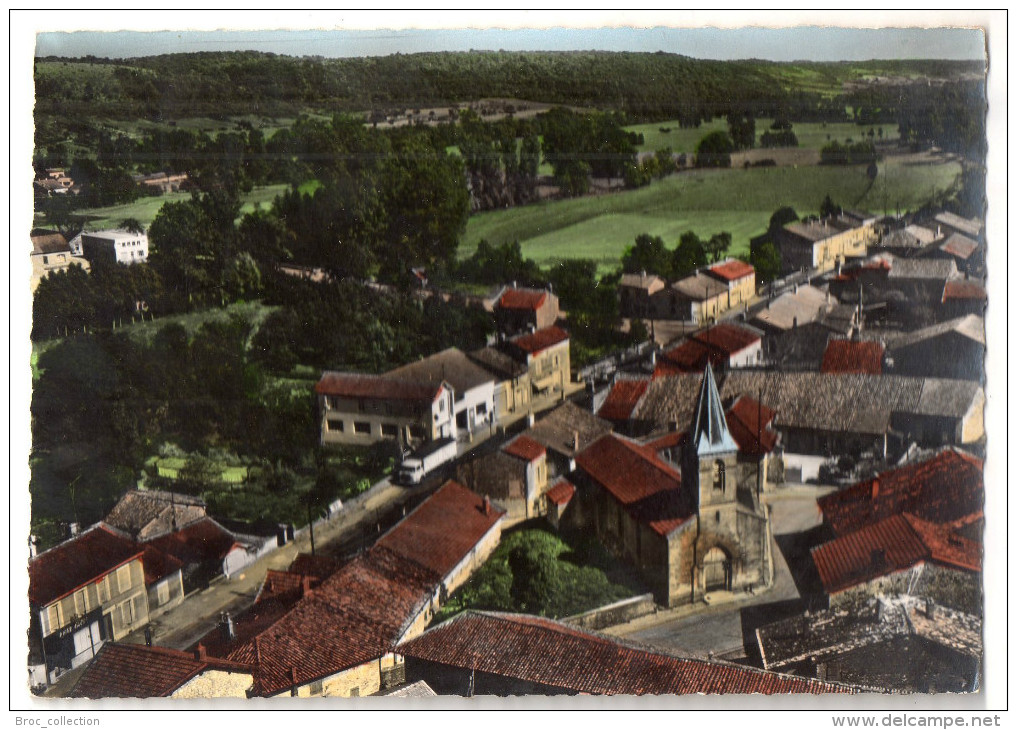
(124, 247)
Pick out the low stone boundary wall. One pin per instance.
(613, 613)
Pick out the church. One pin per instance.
(684, 508)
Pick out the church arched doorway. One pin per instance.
(716, 570)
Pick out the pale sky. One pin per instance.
(810, 43)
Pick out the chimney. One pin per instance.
(575, 440)
(939, 231)
(930, 608)
(487, 506)
(875, 488)
(513, 283)
(200, 654)
(878, 557)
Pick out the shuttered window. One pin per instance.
(124, 578)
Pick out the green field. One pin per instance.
(169, 468)
(707, 202)
(144, 210)
(811, 135)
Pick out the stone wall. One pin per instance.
(215, 683)
(614, 613)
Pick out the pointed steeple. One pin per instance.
(709, 426)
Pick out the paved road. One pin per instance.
(727, 629)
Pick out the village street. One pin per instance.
(726, 626)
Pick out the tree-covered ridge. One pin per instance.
(644, 85)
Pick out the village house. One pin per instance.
(472, 387)
(513, 477)
(699, 298)
(51, 253)
(149, 513)
(897, 643)
(643, 296)
(83, 592)
(54, 181)
(559, 496)
(912, 240)
(965, 252)
(739, 277)
(357, 408)
(951, 349)
(512, 382)
(164, 182)
(134, 670)
(692, 530)
(488, 653)
(902, 554)
(825, 414)
(520, 310)
(564, 432)
(333, 634)
(802, 305)
(820, 245)
(119, 246)
(545, 353)
(724, 346)
(970, 227)
(622, 398)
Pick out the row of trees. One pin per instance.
(650, 254)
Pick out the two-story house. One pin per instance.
(740, 279)
(546, 355)
(123, 247)
(356, 408)
(823, 244)
(83, 592)
(50, 253)
(524, 310)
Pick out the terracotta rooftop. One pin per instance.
(376, 387)
(538, 341)
(560, 428)
(964, 289)
(319, 566)
(886, 547)
(622, 399)
(645, 485)
(133, 670)
(525, 448)
(63, 569)
(732, 270)
(443, 529)
(749, 424)
(690, 356)
(853, 356)
(451, 366)
(203, 540)
(355, 616)
(554, 655)
(532, 299)
(940, 489)
(561, 493)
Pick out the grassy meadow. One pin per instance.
(705, 201)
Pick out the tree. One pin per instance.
(133, 225)
(765, 259)
(742, 130)
(781, 217)
(688, 256)
(534, 579)
(648, 254)
(714, 150)
(717, 246)
(828, 208)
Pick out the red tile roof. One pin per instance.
(200, 541)
(749, 424)
(540, 340)
(849, 356)
(688, 357)
(667, 441)
(622, 399)
(557, 656)
(889, 546)
(729, 339)
(63, 569)
(963, 290)
(561, 493)
(286, 585)
(943, 488)
(443, 529)
(525, 448)
(646, 486)
(376, 387)
(353, 617)
(959, 246)
(318, 566)
(133, 670)
(522, 299)
(732, 270)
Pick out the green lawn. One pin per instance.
(144, 210)
(707, 202)
(811, 135)
(254, 312)
(169, 468)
